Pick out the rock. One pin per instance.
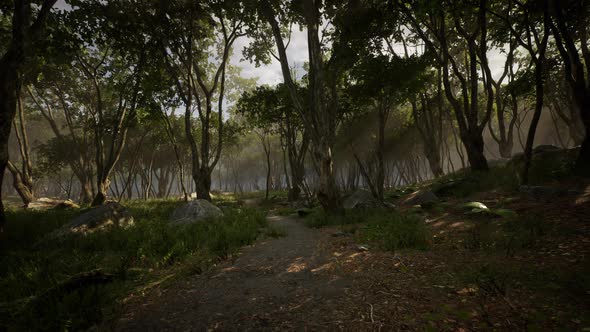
(539, 151)
(449, 188)
(389, 205)
(45, 203)
(498, 162)
(475, 207)
(362, 247)
(195, 211)
(545, 148)
(546, 193)
(361, 199)
(338, 234)
(421, 198)
(111, 214)
(66, 205)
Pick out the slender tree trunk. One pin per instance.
(528, 150)
(23, 190)
(583, 161)
(8, 88)
(380, 178)
(539, 61)
(328, 193)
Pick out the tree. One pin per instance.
(189, 31)
(428, 118)
(383, 82)
(505, 101)
(569, 23)
(446, 28)
(529, 24)
(321, 119)
(27, 30)
(271, 110)
(51, 97)
(22, 178)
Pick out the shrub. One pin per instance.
(318, 218)
(28, 270)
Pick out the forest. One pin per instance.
(361, 165)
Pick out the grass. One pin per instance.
(274, 232)
(272, 195)
(135, 256)
(516, 233)
(284, 211)
(318, 218)
(393, 231)
(387, 229)
(499, 278)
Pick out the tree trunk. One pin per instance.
(295, 190)
(380, 178)
(583, 161)
(434, 162)
(86, 194)
(203, 184)
(8, 80)
(474, 146)
(101, 194)
(328, 193)
(268, 173)
(22, 46)
(539, 91)
(539, 61)
(23, 190)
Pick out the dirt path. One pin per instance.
(275, 284)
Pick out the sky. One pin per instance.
(271, 74)
(297, 54)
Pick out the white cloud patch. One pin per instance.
(271, 74)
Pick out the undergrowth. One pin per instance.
(29, 267)
(517, 233)
(545, 168)
(393, 231)
(387, 229)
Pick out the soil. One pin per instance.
(275, 284)
(323, 280)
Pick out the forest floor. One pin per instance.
(534, 278)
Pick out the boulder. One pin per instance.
(361, 199)
(66, 205)
(421, 197)
(498, 162)
(45, 203)
(539, 152)
(195, 211)
(111, 214)
(546, 148)
(546, 193)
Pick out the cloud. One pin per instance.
(271, 74)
